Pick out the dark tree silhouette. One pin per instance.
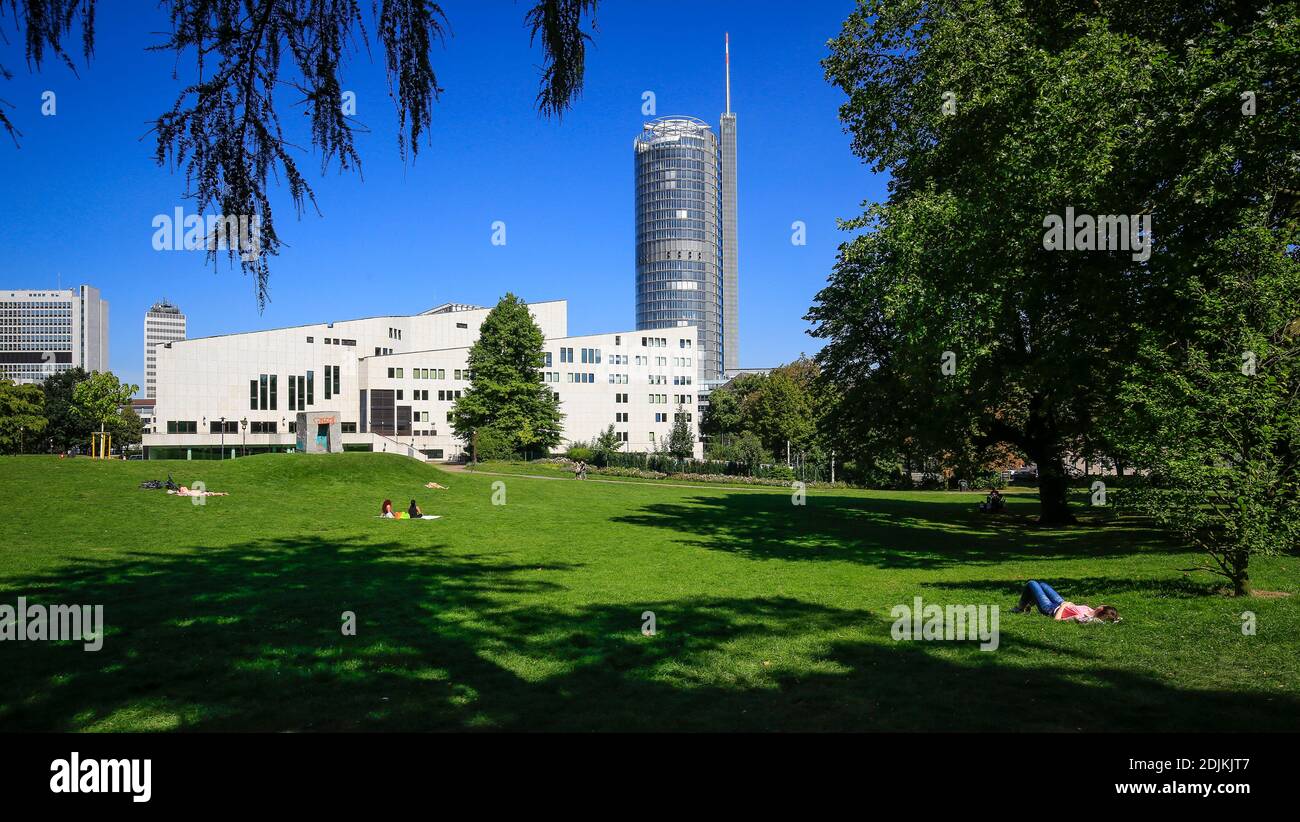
(224, 129)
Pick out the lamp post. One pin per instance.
(243, 424)
(223, 438)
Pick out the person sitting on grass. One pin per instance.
(993, 503)
(414, 511)
(1054, 605)
(386, 510)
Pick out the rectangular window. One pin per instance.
(252, 395)
(311, 387)
(347, 428)
(274, 392)
(336, 379)
(328, 385)
(262, 391)
(293, 392)
(302, 393)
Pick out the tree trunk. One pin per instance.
(1053, 486)
(1238, 561)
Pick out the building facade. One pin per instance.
(163, 323)
(46, 331)
(389, 383)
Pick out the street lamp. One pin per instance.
(243, 425)
(223, 438)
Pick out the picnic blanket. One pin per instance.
(404, 516)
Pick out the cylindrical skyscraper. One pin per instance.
(679, 234)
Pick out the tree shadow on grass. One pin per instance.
(247, 638)
(884, 532)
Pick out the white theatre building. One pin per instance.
(388, 384)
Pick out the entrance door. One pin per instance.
(323, 437)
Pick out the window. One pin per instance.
(311, 387)
(261, 396)
(328, 384)
(618, 339)
(399, 393)
(620, 398)
(274, 392)
(252, 395)
(182, 427)
(336, 379)
(293, 393)
(621, 416)
(302, 393)
(548, 359)
(350, 342)
(347, 428)
(311, 339)
(462, 325)
(215, 427)
(263, 427)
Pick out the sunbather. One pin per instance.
(1054, 605)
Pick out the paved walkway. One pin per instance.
(461, 468)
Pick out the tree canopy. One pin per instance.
(950, 325)
(506, 394)
(247, 56)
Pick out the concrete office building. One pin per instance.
(388, 384)
(46, 331)
(686, 269)
(163, 323)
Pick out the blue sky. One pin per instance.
(83, 189)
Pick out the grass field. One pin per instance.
(528, 615)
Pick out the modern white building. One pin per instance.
(163, 323)
(44, 332)
(388, 383)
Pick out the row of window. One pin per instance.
(429, 374)
(254, 427)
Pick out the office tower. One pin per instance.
(163, 323)
(47, 331)
(730, 274)
(686, 233)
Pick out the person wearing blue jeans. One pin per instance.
(1043, 595)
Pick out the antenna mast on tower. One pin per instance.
(726, 50)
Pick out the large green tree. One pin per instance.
(1215, 412)
(506, 394)
(65, 428)
(247, 59)
(22, 415)
(951, 326)
(99, 399)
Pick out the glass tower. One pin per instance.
(679, 233)
(686, 234)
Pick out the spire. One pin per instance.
(726, 50)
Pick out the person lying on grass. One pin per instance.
(186, 492)
(1054, 605)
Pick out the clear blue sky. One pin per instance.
(80, 194)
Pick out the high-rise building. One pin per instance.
(163, 323)
(686, 233)
(730, 274)
(44, 332)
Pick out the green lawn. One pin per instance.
(527, 615)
